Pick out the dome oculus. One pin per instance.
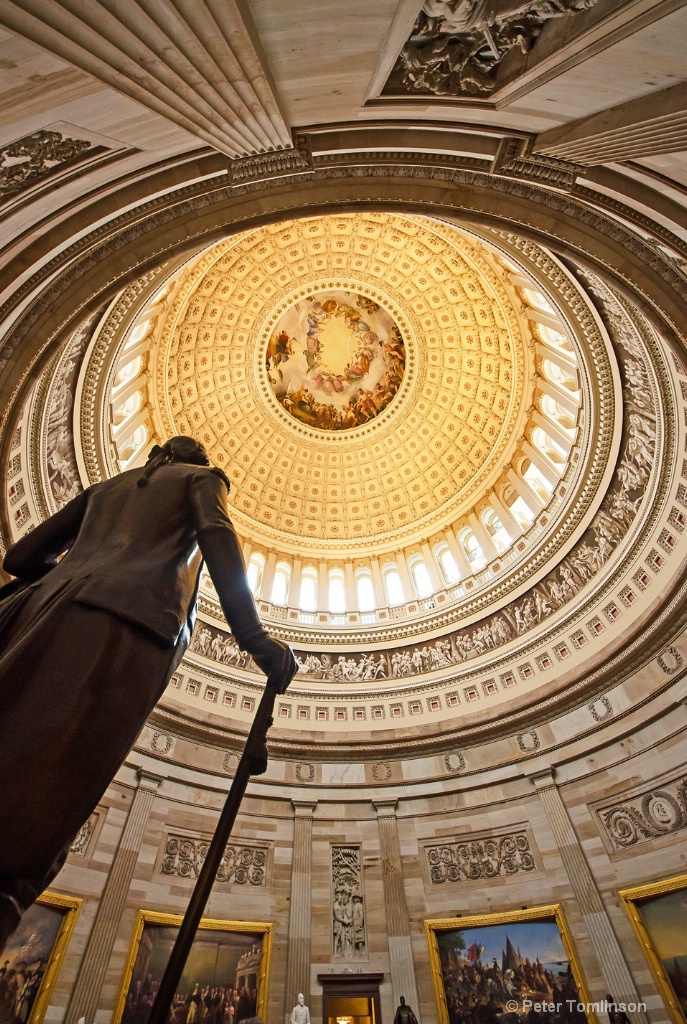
(335, 360)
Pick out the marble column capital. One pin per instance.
(303, 808)
(543, 778)
(386, 808)
(149, 780)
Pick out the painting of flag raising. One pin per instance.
(335, 360)
(506, 969)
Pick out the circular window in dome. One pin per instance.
(335, 360)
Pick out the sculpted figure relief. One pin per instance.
(456, 46)
(93, 638)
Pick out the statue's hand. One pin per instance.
(277, 662)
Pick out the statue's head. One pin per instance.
(403, 1000)
(182, 449)
(178, 449)
(301, 998)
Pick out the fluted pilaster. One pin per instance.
(613, 966)
(401, 964)
(89, 981)
(300, 923)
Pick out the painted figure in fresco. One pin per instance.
(89, 641)
(329, 395)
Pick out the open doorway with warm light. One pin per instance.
(350, 998)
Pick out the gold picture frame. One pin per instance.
(552, 913)
(632, 900)
(150, 919)
(44, 939)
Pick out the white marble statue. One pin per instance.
(300, 1013)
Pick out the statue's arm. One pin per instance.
(220, 548)
(38, 552)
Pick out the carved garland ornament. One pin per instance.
(82, 839)
(241, 865)
(652, 815)
(470, 860)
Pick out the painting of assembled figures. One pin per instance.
(33, 956)
(659, 915)
(511, 968)
(225, 979)
(335, 360)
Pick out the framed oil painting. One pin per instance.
(33, 956)
(659, 915)
(492, 968)
(225, 978)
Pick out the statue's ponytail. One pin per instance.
(157, 457)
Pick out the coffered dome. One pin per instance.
(418, 454)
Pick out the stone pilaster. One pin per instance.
(89, 982)
(401, 965)
(300, 916)
(611, 961)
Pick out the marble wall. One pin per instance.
(554, 817)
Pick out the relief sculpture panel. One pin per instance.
(650, 815)
(241, 865)
(457, 48)
(349, 939)
(472, 860)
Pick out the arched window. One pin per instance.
(256, 567)
(548, 447)
(337, 591)
(127, 372)
(554, 338)
(447, 563)
(560, 377)
(138, 333)
(394, 587)
(518, 508)
(127, 409)
(365, 591)
(308, 594)
(421, 579)
(536, 480)
(557, 414)
(280, 583)
(472, 549)
(133, 445)
(500, 537)
(538, 301)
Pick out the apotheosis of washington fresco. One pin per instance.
(335, 360)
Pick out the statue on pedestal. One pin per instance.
(404, 1015)
(300, 1013)
(89, 639)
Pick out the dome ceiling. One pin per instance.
(576, 385)
(393, 397)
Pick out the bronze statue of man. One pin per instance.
(88, 642)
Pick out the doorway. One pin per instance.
(351, 998)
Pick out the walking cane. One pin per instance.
(253, 762)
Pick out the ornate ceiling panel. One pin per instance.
(457, 401)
